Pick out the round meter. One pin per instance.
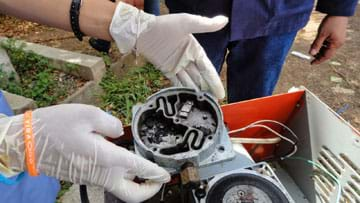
(245, 188)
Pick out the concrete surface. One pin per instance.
(87, 94)
(89, 67)
(96, 195)
(19, 104)
(6, 65)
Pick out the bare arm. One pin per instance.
(95, 15)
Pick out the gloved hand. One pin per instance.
(167, 42)
(70, 146)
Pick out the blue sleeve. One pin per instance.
(337, 7)
(4, 106)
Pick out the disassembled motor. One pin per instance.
(183, 131)
(179, 125)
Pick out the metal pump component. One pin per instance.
(179, 125)
(256, 184)
(183, 130)
(189, 175)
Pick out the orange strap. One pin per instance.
(29, 142)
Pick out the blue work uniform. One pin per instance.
(29, 189)
(152, 6)
(257, 38)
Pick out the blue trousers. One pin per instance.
(253, 65)
(152, 6)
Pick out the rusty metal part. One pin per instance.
(190, 175)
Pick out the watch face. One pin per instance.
(245, 188)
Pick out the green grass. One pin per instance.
(39, 80)
(120, 95)
(65, 186)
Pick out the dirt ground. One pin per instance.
(336, 82)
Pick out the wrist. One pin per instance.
(127, 24)
(96, 25)
(11, 151)
(345, 18)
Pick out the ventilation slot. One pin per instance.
(352, 189)
(323, 189)
(347, 197)
(325, 186)
(331, 162)
(347, 160)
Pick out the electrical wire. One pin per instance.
(258, 124)
(84, 198)
(246, 140)
(317, 165)
(265, 121)
(163, 193)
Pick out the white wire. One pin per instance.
(265, 121)
(256, 124)
(246, 140)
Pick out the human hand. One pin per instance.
(331, 36)
(70, 146)
(167, 42)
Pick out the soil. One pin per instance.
(336, 82)
(341, 95)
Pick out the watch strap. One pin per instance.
(74, 18)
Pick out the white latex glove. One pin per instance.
(70, 146)
(167, 42)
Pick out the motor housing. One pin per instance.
(179, 125)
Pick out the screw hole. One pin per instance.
(221, 148)
(241, 193)
(210, 137)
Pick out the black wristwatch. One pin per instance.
(74, 18)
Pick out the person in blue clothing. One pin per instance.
(260, 33)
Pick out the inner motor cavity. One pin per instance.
(177, 123)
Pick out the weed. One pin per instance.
(121, 95)
(65, 186)
(39, 80)
(71, 68)
(106, 58)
